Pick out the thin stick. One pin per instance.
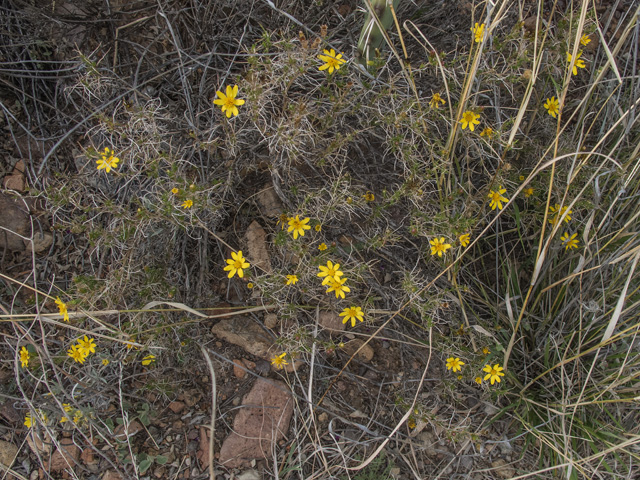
(205, 354)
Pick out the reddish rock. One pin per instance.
(257, 247)
(203, 453)
(111, 475)
(238, 369)
(245, 333)
(66, 456)
(259, 425)
(122, 432)
(88, 457)
(364, 355)
(330, 321)
(176, 407)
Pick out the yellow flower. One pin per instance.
(174, 190)
(187, 204)
(438, 246)
(469, 119)
(552, 106)
(585, 40)
(411, 423)
(454, 364)
(369, 197)
(464, 239)
(75, 352)
(478, 380)
(494, 373)
(353, 314)
(487, 132)
(28, 421)
(436, 100)
(249, 285)
(555, 212)
(236, 264)
(228, 102)
(107, 160)
(349, 200)
(318, 227)
(298, 226)
(105, 362)
(497, 198)
(130, 344)
(292, 279)
(569, 241)
(148, 360)
(322, 246)
(578, 64)
(338, 286)
(528, 192)
(330, 272)
(521, 178)
(282, 219)
(24, 357)
(478, 32)
(486, 350)
(87, 346)
(62, 307)
(332, 61)
(279, 360)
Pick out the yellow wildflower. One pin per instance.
(438, 246)
(107, 160)
(585, 40)
(494, 373)
(369, 197)
(282, 219)
(76, 353)
(497, 198)
(464, 239)
(338, 286)
(249, 285)
(553, 106)
(322, 246)
(87, 345)
(454, 364)
(332, 61)
(187, 204)
(279, 360)
(569, 241)
(236, 264)
(174, 190)
(298, 226)
(353, 314)
(478, 380)
(579, 63)
(487, 132)
(148, 360)
(229, 102)
(436, 100)
(478, 32)
(470, 119)
(24, 357)
(528, 192)
(292, 279)
(330, 272)
(62, 307)
(318, 227)
(28, 421)
(105, 362)
(555, 212)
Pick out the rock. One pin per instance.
(271, 320)
(16, 217)
(39, 442)
(259, 425)
(88, 457)
(364, 355)
(257, 247)
(130, 430)
(111, 475)
(330, 321)
(66, 456)
(8, 452)
(176, 407)
(270, 204)
(16, 180)
(238, 369)
(203, 452)
(245, 333)
(530, 24)
(249, 475)
(502, 469)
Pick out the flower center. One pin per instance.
(230, 102)
(237, 265)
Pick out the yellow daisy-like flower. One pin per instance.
(436, 100)
(494, 373)
(486, 350)
(105, 362)
(318, 228)
(174, 191)
(249, 285)
(552, 106)
(87, 345)
(279, 361)
(28, 421)
(528, 192)
(107, 160)
(478, 32)
(438, 246)
(497, 198)
(24, 357)
(579, 63)
(322, 246)
(353, 314)
(292, 279)
(464, 239)
(585, 40)
(454, 364)
(470, 119)
(478, 380)
(332, 61)
(569, 241)
(229, 103)
(62, 307)
(555, 212)
(187, 204)
(338, 286)
(487, 132)
(298, 226)
(76, 353)
(330, 272)
(369, 197)
(148, 360)
(236, 264)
